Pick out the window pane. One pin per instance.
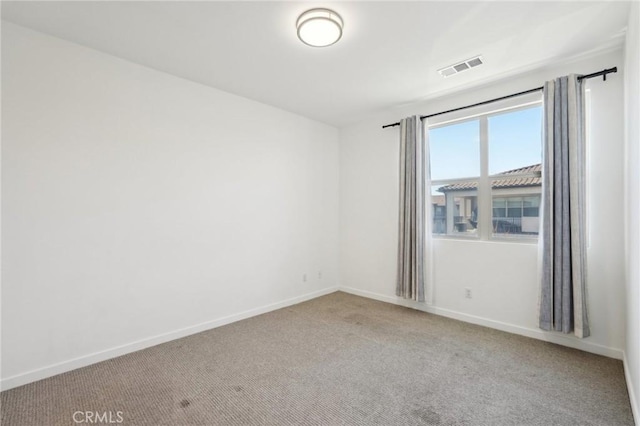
(514, 207)
(455, 150)
(515, 140)
(455, 208)
(531, 206)
(499, 207)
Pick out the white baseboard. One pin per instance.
(83, 361)
(569, 341)
(631, 390)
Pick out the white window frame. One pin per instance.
(484, 191)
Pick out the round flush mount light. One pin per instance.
(319, 27)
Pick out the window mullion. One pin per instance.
(484, 183)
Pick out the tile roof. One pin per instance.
(516, 182)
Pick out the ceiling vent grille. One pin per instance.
(461, 66)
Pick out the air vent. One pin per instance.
(461, 66)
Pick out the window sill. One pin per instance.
(456, 237)
(502, 240)
(517, 240)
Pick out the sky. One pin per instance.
(514, 141)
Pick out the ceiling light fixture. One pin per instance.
(319, 27)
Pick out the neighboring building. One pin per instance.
(516, 204)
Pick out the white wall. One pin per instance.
(502, 276)
(632, 206)
(138, 207)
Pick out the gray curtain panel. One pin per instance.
(412, 214)
(563, 298)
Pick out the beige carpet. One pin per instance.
(338, 360)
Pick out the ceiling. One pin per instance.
(388, 56)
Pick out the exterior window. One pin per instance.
(486, 173)
(516, 215)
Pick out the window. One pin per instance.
(486, 172)
(516, 215)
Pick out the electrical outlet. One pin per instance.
(304, 278)
(467, 293)
(319, 275)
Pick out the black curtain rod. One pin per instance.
(602, 73)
